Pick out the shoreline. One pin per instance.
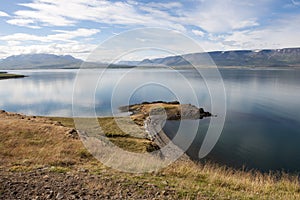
(43, 158)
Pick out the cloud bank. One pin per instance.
(214, 24)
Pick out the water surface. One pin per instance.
(262, 128)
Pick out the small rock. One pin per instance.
(59, 196)
(58, 124)
(47, 187)
(73, 133)
(46, 177)
(83, 170)
(165, 182)
(50, 195)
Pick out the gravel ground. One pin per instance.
(44, 184)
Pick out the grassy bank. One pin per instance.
(4, 75)
(210, 180)
(29, 143)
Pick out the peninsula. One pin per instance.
(5, 75)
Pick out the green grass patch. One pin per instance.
(58, 169)
(121, 131)
(20, 168)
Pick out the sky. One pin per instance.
(77, 27)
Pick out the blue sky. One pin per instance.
(76, 27)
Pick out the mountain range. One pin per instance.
(287, 57)
(248, 58)
(49, 61)
(41, 61)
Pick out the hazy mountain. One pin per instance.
(29, 61)
(261, 58)
(128, 63)
(51, 61)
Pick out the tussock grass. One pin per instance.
(225, 183)
(37, 142)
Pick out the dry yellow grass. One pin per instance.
(145, 109)
(28, 142)
(37, 141)
(226, 183)
(121, 131)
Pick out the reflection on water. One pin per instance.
(262, 128)
(44, 92)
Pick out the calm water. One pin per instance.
(262, 127)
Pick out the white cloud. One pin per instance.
(67, 35)
(76, 49)
(23, 22)
(198, 33)
(216, 16)
(296, 2)
(65, 13)
(281, 33)
(211, 15)
(169, 5)
(61, 43)
(245, 23)
(213, 46)
(60, 36)
(13, 43)
(226, 24)
(3, 14)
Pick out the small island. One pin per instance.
(5, 75)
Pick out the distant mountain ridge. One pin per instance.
(287, 57)
(50, 61)
(40, 61)
(261, 58)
